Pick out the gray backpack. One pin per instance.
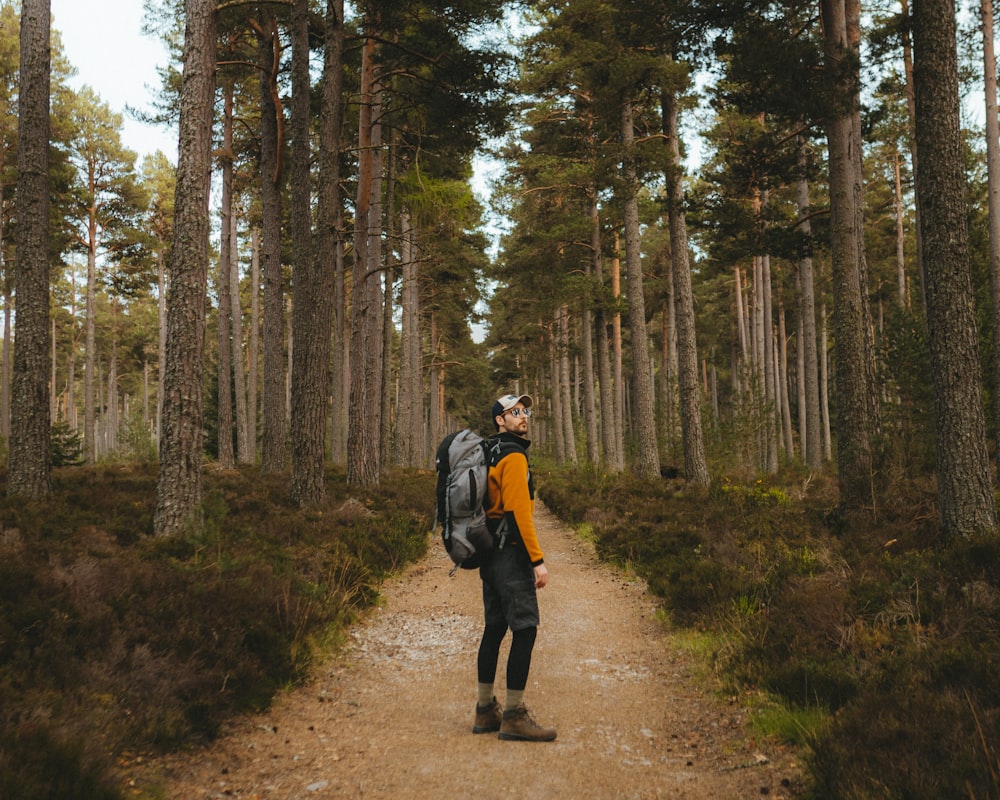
(462, 463)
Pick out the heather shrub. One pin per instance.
(878, 638)
(115, 640)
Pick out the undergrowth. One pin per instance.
(113, 641)
(874, 645)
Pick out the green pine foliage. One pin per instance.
(66, 445)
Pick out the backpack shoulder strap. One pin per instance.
(499, 449)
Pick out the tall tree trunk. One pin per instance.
(781, 364)
(274, 398)
(227, 456)
(71, 359)
(29, 458)
(758, 369)
(410, 424)
(771, 404)
(964, 483)
(695, 461)
(824, 383)
(363, 455)
(565, 379)
(253, 340)
(5, 349)
(858, 420)
(246, 453)
(341, 370)
(590, 419)
(179, 489)
(436, 389)
(618, 379)
(112, 408)
(911, 108)
(5, 367)
(555, 381)
(645, 410)
(90, 352)
(904, 299)
(993, 193)
(812, 442)
(314, 272)
(329, 231)
(604, 369)
(161, 351)
(743, 354)
(389, 377)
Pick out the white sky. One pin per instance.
(117, 61)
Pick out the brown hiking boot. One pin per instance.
(518, 725)
(487, 718)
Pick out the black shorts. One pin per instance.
(509, 595)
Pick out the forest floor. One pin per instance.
(390, 714)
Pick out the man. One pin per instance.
(511, 575)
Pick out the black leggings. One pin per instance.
(518, 662)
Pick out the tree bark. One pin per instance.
(911, 108)
(590, 420)
(565, 379)
(857, 420)
(604, 368)
(993, 183)
(313, 284)
(227, 455)
(964, 483)
(274, 398)
(812, 442)
(695, 461)
(645, 411)
(618, 378)
(90, 349)
(329, 230)
(246, 453)
(363, 455)
(179, 489)
(409, 418)
(29, 457)
(253, 340)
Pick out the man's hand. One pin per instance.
(541, 576)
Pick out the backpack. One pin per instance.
(462, 464)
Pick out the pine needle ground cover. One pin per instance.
(115, 642)
(874, 646)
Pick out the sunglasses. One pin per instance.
(517, 412)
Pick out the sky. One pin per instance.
(118, 62)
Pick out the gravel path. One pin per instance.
(391, 715)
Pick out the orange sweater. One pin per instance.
(510, 492)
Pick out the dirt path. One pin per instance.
(391, 715)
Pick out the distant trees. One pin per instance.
(107, 203)
(752, 314)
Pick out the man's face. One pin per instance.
(514, 420)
